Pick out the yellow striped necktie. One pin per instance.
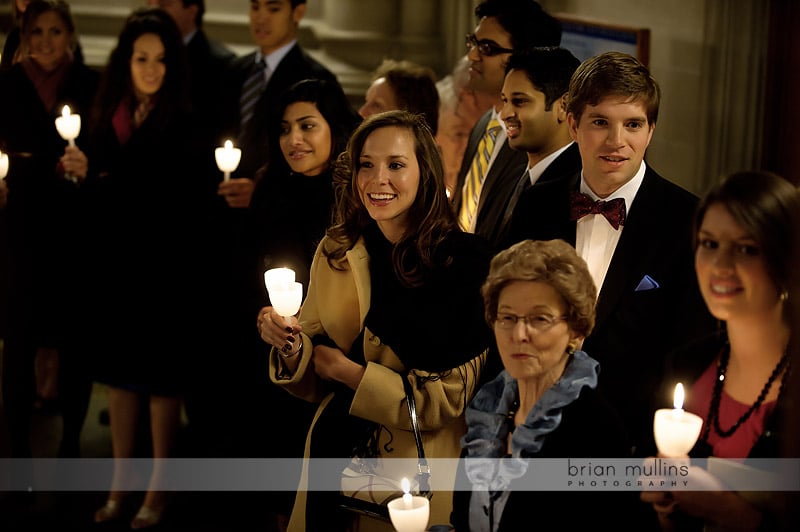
(477, 172)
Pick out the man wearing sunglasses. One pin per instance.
(490, 168)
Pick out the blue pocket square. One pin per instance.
(647, 283)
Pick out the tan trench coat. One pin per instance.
(336, 304)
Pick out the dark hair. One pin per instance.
(117, 86)
(333, 105)
(525, 21)
(613, 74)
(763, 203)
(414, 88)
(39, 7)
(552, 262)
(549, 69)
(201, 10)
(430, 217)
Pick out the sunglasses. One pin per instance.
(485, 48)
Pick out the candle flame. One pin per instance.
(406, 485)
(65, 111)
(228, 145)
(679, 395)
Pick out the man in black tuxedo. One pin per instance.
(640, 255)
(503, 26)
(535, 113)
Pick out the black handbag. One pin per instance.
(366, 492)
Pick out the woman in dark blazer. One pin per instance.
(44, 221)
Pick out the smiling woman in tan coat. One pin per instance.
(394, 294)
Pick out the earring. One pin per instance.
(785, 296)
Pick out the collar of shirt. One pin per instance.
(536, 171)
(189, 36)
(502, 135)
(627, 191)
(275, 58)
(496, 116)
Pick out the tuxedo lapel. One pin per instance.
(564, 227)
(637, 231)
(566, 164)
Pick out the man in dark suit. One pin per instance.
(535, 113)
(480, 198)
(640, 254)
(208, 62)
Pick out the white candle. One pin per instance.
(279, 276)
(286, 299)
(227, 158)
(68, 125)
(409, 515)
(675, 430)
(3, 165)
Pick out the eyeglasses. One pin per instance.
(534, 322)
(485, 48)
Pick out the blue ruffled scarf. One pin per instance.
(487, 432)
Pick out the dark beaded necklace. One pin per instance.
(713, 411)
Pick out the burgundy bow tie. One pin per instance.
(582, 205)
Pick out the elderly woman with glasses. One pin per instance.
(539, 299)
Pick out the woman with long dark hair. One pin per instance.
(144, 186)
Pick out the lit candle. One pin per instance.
(227, 158)
(3, 165)
(278, 276)
(406, 485)
(409, 513)
(68, 125)
(286, 298)
(675, 430)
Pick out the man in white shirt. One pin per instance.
(535, 114)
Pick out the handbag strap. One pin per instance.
(424, 470)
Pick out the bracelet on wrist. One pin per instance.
(292, 355)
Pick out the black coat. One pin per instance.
(44, 215)
(142, 278)
(208, 61)
(306, 201)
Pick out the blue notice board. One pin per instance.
(586, 38)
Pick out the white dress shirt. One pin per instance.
(595, 239)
